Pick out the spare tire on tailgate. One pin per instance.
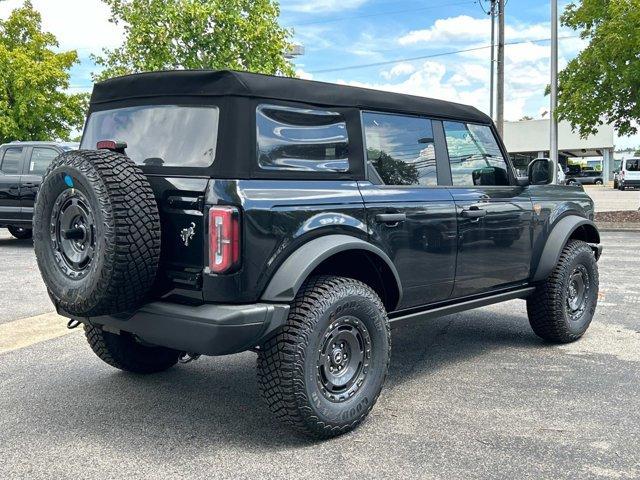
(96, 233)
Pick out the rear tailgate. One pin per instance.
(181, 205)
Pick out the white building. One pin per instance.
(530, 139)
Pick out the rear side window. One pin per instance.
(12, 161)
(301, 139)
(474, 155)
(40, 159)
(401, 148)
(633, 165)
(158, 135)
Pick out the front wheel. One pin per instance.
(20, 233)
(598, 182)
(562, 307)
(324, 370)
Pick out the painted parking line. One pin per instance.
(28, 331)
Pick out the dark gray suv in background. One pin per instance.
(22, 165)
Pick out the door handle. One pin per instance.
(473, 212)
(391, 218)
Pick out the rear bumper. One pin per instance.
(209, 329)
(629, 183)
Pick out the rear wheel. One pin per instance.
(561, 308)
(598, 182)
(126, 353)
(20, 233)
(324, 370)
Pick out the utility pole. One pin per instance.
(492, 87)
(500, 92)
(553, 153)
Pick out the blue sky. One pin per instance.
(338, 34)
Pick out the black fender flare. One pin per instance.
(290, 276)
(557, 240)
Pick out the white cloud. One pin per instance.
(77, 24)
(300, 73)
(399, 69)
(429, 80)
(464, 29)
(306, 6)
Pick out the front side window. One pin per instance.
(40, 159)
(401, 148)
(12, 161)
(301, 139)
(474, 154)
(158, 135)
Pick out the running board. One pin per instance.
(460, 307)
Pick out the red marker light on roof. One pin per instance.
(111, 145)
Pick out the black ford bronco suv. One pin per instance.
(214, 212)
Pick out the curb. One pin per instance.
(617, 227)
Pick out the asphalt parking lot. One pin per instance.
(472, 395)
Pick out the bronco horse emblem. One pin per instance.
(187, 234)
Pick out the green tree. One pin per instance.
(391, 170)
(602, 84)
(34, 104)
(192, 34)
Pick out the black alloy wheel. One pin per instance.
(73, 233)
(577, 292)
(343, 361)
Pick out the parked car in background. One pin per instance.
(578, 176)
(629, 174)
(22, 165)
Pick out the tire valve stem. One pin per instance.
(71, 324)
(186, 357)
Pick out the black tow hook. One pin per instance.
(71, 324)
(188, 357)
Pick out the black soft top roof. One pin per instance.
(208, 83)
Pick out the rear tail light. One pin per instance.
(622, 174)
(224, 239)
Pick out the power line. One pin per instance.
(434, 55)
(380, 14)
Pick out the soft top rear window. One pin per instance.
(158, 135)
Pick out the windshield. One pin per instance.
(159, 135)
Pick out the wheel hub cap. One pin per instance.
(577, 292)
(343, 359)
(72, 230)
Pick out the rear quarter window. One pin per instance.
(301, 139)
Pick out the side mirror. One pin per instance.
(540, 172)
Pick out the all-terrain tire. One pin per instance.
(121, 233)
(125, 353)
(291, 378)
(549, 309)
(21, 233)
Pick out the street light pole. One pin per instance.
(500, 92)
(553, 153)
